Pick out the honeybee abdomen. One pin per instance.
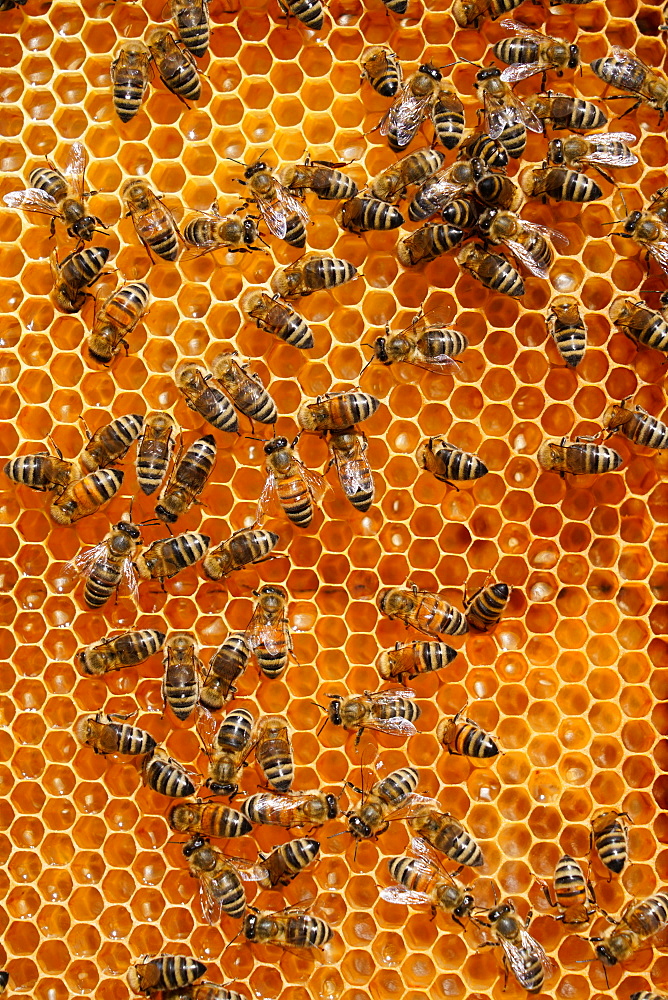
(194, 32)
(230, 893)
(652, 334)
(465, 851)
(569, 884)
(83, 268)
(600, 459)
(611, 847)
(294, 856)
(585, 115)
(331, 184)
(264, 807)
(486, 609)
(126, 306)
(178, 970)
(398, 708)
(503, 277)
(417, 658)
(646, 430)
(163, 242)
(111, 442)
(275, 760)
(100, 585)
(285, 323)
(167, 778)
(361, 491)
(305, 931)
(181, 692)
(626, 75)
(309, 12)
(471, 741)
(86, 495)
(326, 272)
(235, 732)
(427, 243)
(571, 343)
(272, 662)
(49, 181)
(295, 499)
(295, 233)
(439, 342)
(396, 6)
(516, 50)
(449, 121)
(569, 185)
(132, 740)
(39, 472)
(128, 92)
(513, 138)
(645, 995)
(359, 215)
(398, 785)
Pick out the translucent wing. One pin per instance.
(626, 58)
(75, 170)
(406, 115)
(659, 251)
(406, 897)
(274, 215)
(260, 633)
(211, 908)
(315, 483)
(530, 943)
(351, 472)
(526, 258)
(523, 29)
(85, 561)
(423, 851)
(521, 71)
(610, 156)
(267, 498)
(130, 577)
(393, 727)
(33, 200)
(248, 870)
(389, 694)
(291, 204)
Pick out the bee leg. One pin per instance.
(451, 484)
(625, 97)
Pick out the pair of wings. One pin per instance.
(85, 562)
(516, 956)
(520, 251)
(353, 469)
(314, 484)
(276, 211)
(427, 863)
(500, 113)
(522, 71)
(406, 114)
(274, 637)
(212, 909)
(605, 149)
(394, 726)
(36, 200)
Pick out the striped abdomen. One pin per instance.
(86, 495)
(396, 787)
(571, 342)
(448, 119)
(513, 138)
(309, 12)
(288, 860)
(178, 970)
(166, 776)
(112, 441)
(192, 24)
(486, 608)
(126, 306)
(103, 580)
(466, 738)
(496, 273)
(40, 472)
(396, 708)
(646, 430)
(273, 662)
(295, 233)
(649, 916)
(438, 342)
(626, 75)
(275, 758)
(569, 883)
(433, 614)
(610, 842)
(235, 733)
(295, 499)
(285, 323)
(228, 890)
(304, 931)
(131, 740)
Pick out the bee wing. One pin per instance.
(75, 169)
(526, 115)
(131, 578)
(425, 853)
(248, 870)
(291, 205)
(316, 484)
(523, 29)
(626, 58)
(211, 908)
(274, 215)
(393, 727)
(549, 234)
(531, 944)
(521, 71)
(33, 200)
(267, 498)
(84, 562)
(610, 156)
(659, 251)
(350, 475)
(259, 634)
(406, 115)
(525, 258)
(388, 694)
(400, 894)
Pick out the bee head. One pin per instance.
(165, 515)
(250, 926)
(250, 231)
(359, 829)
(488, 73)
(332, 806)
(573, 56)
(381, 351)
(431, 71)
(486, 219)
(255, 168)
(193, 845)
(129, 529)
(465, 906)
(334, 711)
(557, 151)
(632, 222)
(498, 912)
(219, 788)
(276, 444)
(605, 956)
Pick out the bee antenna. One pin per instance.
(370, 361)
(241, 164)
(604, 225)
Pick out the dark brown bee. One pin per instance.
(578, 152)
(323, 179)
(567, 327)
(336, 411)
(626, 72)
(468, 12)
(181, 682)
(492, 270)
(288, 860)
(610, 839)
(291, 930)
(646, 995)
(210, 231)
(381, 67)
(405, 662)
(428, 243)
(437, 191)
(531, 52)
(285, 217)
(189, 477)
(570, 889)
(208, 819)
(166, 776)
(348, 448)
(277, 318)
(85, 496)
(220, 878)
(371, 817)
(273, 752)
(650, 232)
(204, 398)
(447, 115)
(481, 146)
(154, 223)
(422, 881)
(413, 105)
(391, 184)
(296, 488)
(428, 345)
(166, 557)
(506, 117)
(79, 270)
(226, 665)
(526, 240)
(129, 73)
(232, 746)
(525, 957)
(637, 425)
(447, 463)
(244, 547)
(164, 972)
(106, 564)
(642, 324)
(485, 607)
(175, 64)
(268, 632)
(106, 735)
(424, 611)
(465, 737)
(386, 711)
(126, 650)
(115, 319)
(308, 808)
(41, 472)
(154, 451)
(310, 274)
(361, 215)
(564, 112)
(244, 388)
(559, 183)
(111, 442)
(191, 20)
(60, 195)
(640, 920)
(445, 834)
(579, 459)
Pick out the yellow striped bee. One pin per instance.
(191, 20)
(85, 496)
(164, 972)
(284, 216)
(111, 442)
(336, 411)
(277, 318)
(166, 557)
(468, 12)
(640, 920)
(424, 611)
(209, 231)
(531, 52)
(320, 177)
(610, 839)
(128, 649)
(115, 318)
(308, 808)
(413, 105)
(386, 711)
(526, 240)
(382, 69)
(189, 477)
(446, 834)
(268, 632)
(244, 388)
(625, 71)
(273, 752)
(447, 463)
(465, 737)
(485, 607)
(567, 328)
(570, 889)
(129, 73)
(204, 398)
(637, 425)
(209, 819)
(428, 243)
(506, 117)
(310, 274)
(226, 665)
(578, 151)
(107, 735)
(233, 743)
(405, 662)
(492, 270)
(154, 451)
(578, 459)
(559, 183)
(650, 232)
(181, 681)
(309, 12)
(175, 64)
(220, 878)
(41, 471)
(523, 954)
(422, 880)
(166, 776)
(564, 112)
(448, 118)
(79, 270)
(109, 563)
(243, 548)
(362, 215)
(296, 488)
(372, 816)
(425, 344)
(154, 223)
(348, 448)
(287, 860)
(640, 323)
(391, 184)
(291, 929)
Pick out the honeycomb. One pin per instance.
(572, 682)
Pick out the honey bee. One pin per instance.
(308, 808)
(79, 270)
(154, 451)
(154, 223)
(422, 881)
(624, 71)
(396, 6)
(481, 146)
(309, 12)
(176, 66)
(294, 929)
(311, 274)
(531, 52)
(448, 118)
(579, 459)
(388, 711)
(105, 735)
(115, 318)
(372, 816)
(41, 471)
(445, 834)
(391, 184)
(659, 205)
(506, 117)
(181, 682)
(128, 649)
(203, 991)
(205, 399)
(650, 232)
(244, 388)
(268, 632)
(294, 486)
(232, 746)
(106, 564)
(361, 215)
(438, 190)
(129, 73)
(273, 752)
(85, 496)
(336, 411)
(637, 425)
(467, 13)
(284, 216)
(405, 662)
(559, 183)
(567, 328)
(564, 112)
(191, 20)
(277, 318)
(465, 737)
(526, 240)
(164, 972)
(610, 839)
(220, 878)
(498, 191)
(320, 177)
(427, 243)
(424, 611)
(243, 548)
(287, 860)
(348, 448)
(492, 270)
(641, 324)
(166, 557)
(111, 442)
(427, 345)
(210, 231)
(640, 920)
(578, 152)
(189, 477)
(570, 889)
(60, 195)
(413, 105)
(382, 69)
(525, 957)
(485, 607)
(166, 776)
(447, 463)
(226, 665)
(208, 819)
